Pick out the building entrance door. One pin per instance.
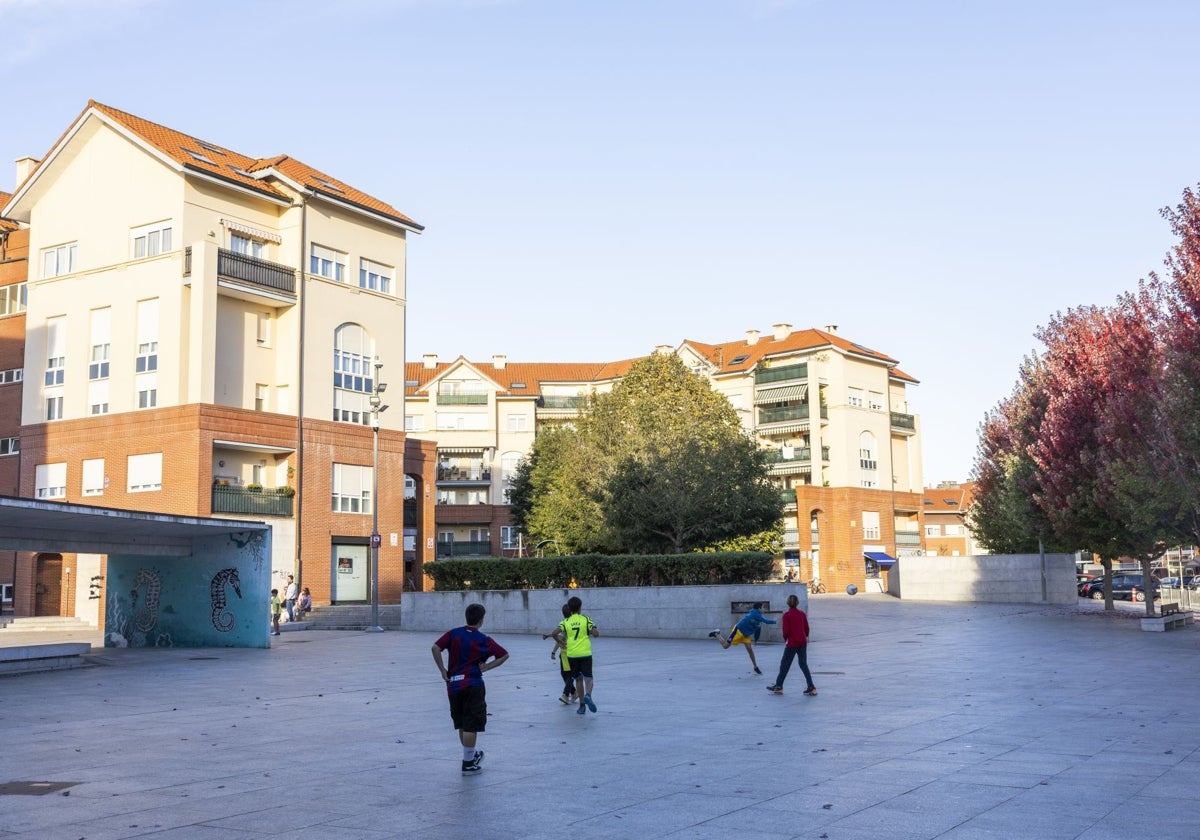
(350, 574)
(47, 585)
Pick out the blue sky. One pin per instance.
(598, 178)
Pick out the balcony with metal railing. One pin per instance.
(908, 539)
(552, 401)
(462, 399)
(463, 475)
(251, 270)
(785, 373)
(904, 422)
(252, 501)
(465, 548)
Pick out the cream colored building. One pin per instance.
(194, 315)
(799, 392)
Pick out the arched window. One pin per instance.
(353, 374)
(868, 459)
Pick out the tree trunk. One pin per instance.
(1108, 594)
(1148, 579)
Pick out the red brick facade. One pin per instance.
(839, 514)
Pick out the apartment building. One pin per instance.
(14, 257)
(834, 414)
(946, 531)
(205, 333)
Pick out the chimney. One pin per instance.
(782, 331)
(752, 337)
(664, 349)
(429, 360)
(831, 328)
(25, 165)
(499, 360)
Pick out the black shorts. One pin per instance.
(581, 666)
(468, 708)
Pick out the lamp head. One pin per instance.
(380, 387)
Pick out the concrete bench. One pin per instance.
(23, 659)
(1169, 616)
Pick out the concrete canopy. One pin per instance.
(32, 525)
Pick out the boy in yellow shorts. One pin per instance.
(745, 633)
(575, 635)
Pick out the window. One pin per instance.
(854, 397)
(147, 336)
(240, 244)
(875, 401)
(325, 262)
(414, 423)
(353, 374)
(151, 240)
(56, 350)
(510, 462)
(50, 481)
(146, 385)
(198, 156)
(517, 422)
(54, 405)
(955, 531)
(870, 521)
(261, 393)
(13, 298)
(101, 338)
(510, 536)
(264, 328)
(867, 459)
(10, 446)
(93, 477)
(98, 397)
(376, 276)
(58, 260)
(933, 530)
(145, 472)
(351, 488)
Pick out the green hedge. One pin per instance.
(595, 570)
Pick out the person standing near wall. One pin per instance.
(289, 597)
(276, 609)
(795, 640)
(470, 652)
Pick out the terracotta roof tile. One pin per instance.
(6, 224)
(214, 159)
(949, 499)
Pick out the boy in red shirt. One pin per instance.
(795, 637)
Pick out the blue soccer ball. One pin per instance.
(851, 589)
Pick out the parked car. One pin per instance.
(1189, 582)
(1092, 588)
(1082, 580)
(1124, 588)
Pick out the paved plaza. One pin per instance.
(948, 721)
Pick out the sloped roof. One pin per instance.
(256, 174)
(6, 224)
(722, 355)
(532, 374)
(949, 499)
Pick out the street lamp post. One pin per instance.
(377, 408)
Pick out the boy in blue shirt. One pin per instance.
(745, 632)
(470, 651)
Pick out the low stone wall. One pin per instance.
(655, 612)
(990, 578)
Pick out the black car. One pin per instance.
(1124, 588)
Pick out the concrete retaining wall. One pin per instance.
(655, 612)
(991, 578)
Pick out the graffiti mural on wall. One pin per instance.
(145, 618)
(222, 618)
(257, 542)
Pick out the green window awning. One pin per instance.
(789, 393)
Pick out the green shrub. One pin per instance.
(596, 570)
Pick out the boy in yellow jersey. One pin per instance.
(575, 635)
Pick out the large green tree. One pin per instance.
(658, 464)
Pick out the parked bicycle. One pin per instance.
(816, 587)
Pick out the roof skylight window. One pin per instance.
(328, 184)
(210, 147)
(198, 156)
(737, 360)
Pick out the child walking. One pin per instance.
(276, 610)
(470, 652)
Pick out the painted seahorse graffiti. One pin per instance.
(145, 618)
(222, 618)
